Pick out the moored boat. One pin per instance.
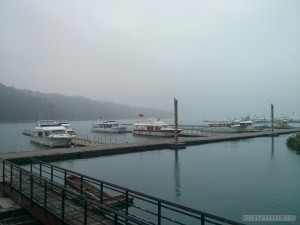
(231, 126)
(110, 126)
(95, 193)
(154, 127)
(218, 126)
(50, 133)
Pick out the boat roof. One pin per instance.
(218, 121)
(62, 122)
(106, 122)
(151, 122)
(49, 125)
(44, 123)
(50, 128)
(246, 121)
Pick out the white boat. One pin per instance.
(244, 126)
(231, 126)
(219, 126)
(154, 127)
(50, 133)
(68, 127)
(110, 126)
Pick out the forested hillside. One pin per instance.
(24, 105)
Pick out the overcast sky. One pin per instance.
(217, 57)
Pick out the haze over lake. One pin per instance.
(218, 58)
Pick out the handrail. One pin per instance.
(15, 171)
(153, 207)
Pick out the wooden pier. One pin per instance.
(59, 154)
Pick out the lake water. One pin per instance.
(258, 176)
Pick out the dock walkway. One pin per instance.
(52, 203)
(58, 154)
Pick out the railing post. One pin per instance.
(31, 166)
(31, 189)
(63, 206)
(81, 185)
(20, 181)
(127, 205)
(85, 212)
(45, 197)
(101, 192)
(127, 202)
(3, 172)
(40, 169)
(116, 219)
(202, 219)
(65, 178)
(51, 173)
(11, 175)
(159, 213)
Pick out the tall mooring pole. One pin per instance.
(176, 145)
(176, 120)
(272, 119)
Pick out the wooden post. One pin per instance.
(272, 119)
(175, 144)
(176, 120)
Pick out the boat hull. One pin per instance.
(52, 142)
(168, 133)
(110, 130)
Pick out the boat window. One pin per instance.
(58, 132)
(71, 132)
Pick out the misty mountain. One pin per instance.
(25, 105)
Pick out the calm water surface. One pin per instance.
(230, 179)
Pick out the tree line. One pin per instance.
(18, 105)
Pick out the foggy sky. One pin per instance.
(217, 57)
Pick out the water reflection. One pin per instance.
(177, 176)
(272, 146)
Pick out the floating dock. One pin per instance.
(60, 154)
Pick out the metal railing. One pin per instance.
(144, 208)
(65, 204)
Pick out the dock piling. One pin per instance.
(176, 145)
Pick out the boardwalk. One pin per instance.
(111, 149)
(52, 203)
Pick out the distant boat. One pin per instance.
(244, 126)
(154, 127)
(231, 126)
(110, 126)
(219, 126)
(50, 133)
